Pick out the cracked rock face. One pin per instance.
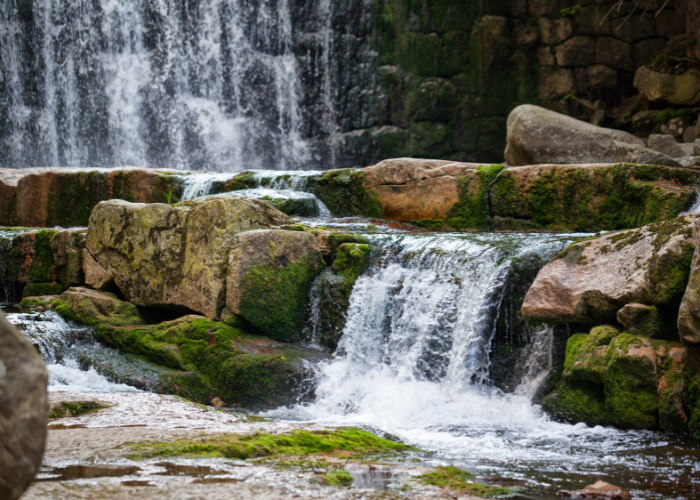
(591, 280)
(23, 411)
(174, 255)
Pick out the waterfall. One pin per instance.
(166, 83)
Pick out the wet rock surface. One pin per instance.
(23, 416)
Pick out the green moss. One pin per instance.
(335, 240)
(273, 299)
(472, 211)
(339, 478)
(611, 378)
(73, 409)
(459, 480)
(347, 442)
(35, 289)
(351, 261)
(345, 193)
(433, 224)
(611, 197)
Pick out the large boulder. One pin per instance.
(47, 197)
(436, 192)
(540, 136)
(619, 379)
(23, 411)
(689, 312)
(589, 197)
(269, 275)
(591, 280)
(174, 255)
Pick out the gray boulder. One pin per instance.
(540, 136)
(23, 411)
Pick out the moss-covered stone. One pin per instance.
(591, 198)
(206, 358)
(456, 479)
(473, 209)
(346, 442)
(35, 289)
(613, 378)
(346, 193)
(269, 275)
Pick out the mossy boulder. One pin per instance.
(96, 308)
(202, 358)
(591, 280)
(174, 256)
(589, 197)
(218, 360)
(616, 378)
(47, 197)
(269, 275)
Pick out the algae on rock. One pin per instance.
(269, 275)
(616, 378)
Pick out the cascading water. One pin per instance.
(192, 85)
(76, 362)
(280, 185)
(414, 362)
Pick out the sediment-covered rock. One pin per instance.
(616, 378)
(589, 197)
(269, 275)
(591, 280)
(47, 197)
(23, 411)
(540, 136)
(174, 255)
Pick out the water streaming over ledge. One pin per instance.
(209, 85)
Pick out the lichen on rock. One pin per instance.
(174, 255)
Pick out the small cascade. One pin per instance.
(695, 207)
(269, 185)
(197, 185)
(539, 361)
(76, 362)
